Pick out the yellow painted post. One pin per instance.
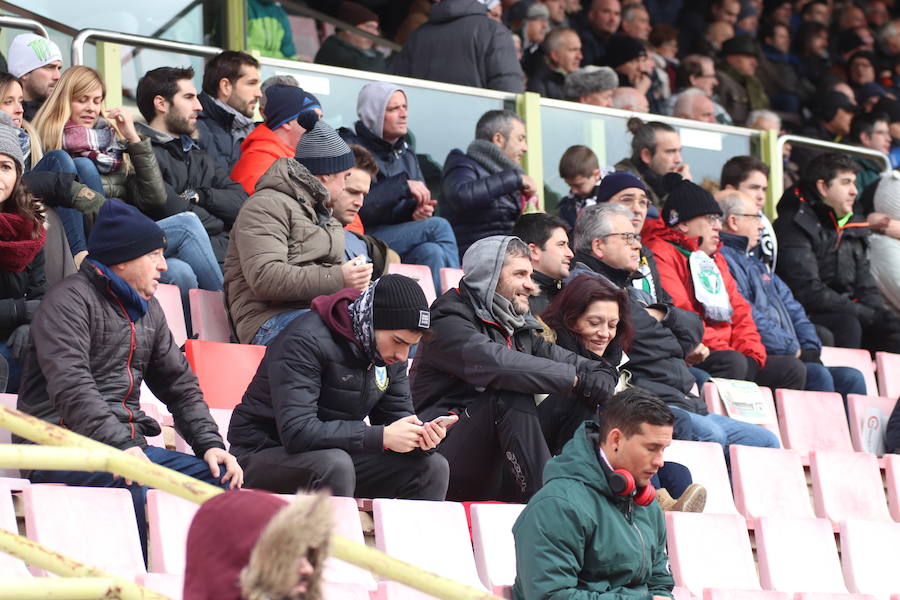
(528, 105)
(235, 24)
(44, 588)
(109, 65)
(769, 150)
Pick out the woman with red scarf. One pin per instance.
(22, 280)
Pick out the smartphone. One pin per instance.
(445, 421)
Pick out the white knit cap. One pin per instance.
(28, 52)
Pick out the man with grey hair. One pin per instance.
(636, 21)
(274, 80)
(484, 362)
(629, 98)
(560, 55)
(764, 119)
(591, 85)
(485, 188)
(695, 105)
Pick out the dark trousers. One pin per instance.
(413, 475)
(780, 371)
(845, 330)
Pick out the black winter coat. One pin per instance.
(312, 391)
(214, 127)
(84, 370)
(18, 288)
(477, 203)
(388, 201)
(544, 79)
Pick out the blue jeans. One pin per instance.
(177, 461)
(14, 370)
(726, 431)
(428, 242)
(273, 326)
(843, 380)
(674, 477)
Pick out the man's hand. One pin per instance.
(655, 313)
(697, 355)
(233, 471)
(403, 435)
(643, 84)
(419, 191)
(357, 276)
(423, 211)
(879, 222)
(529, 187)
(684, 170)
(433, 434)
(137, 453)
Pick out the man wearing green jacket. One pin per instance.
(593, 531)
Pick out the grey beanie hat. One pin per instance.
(323, 152)
(9, 141)
(588, 80)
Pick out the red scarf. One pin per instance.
(17, 248)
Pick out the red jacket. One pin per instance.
(674, 274)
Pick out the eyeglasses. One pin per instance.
(628, 238)
(714, 219)
(748, 215)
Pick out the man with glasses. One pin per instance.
(686, 242)
(750, 175)
(869, 130)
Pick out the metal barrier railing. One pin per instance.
(23, 23)
(103, 35)
(859, 150)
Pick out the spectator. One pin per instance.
(890, 108)
(884, 244)
(861, 72)
(269, 82)
(485, 189)
(572, 538)
(274, 549)
(291, 112)
(655, 151)
(579, 168)
(685, 242)
(535, 26)
(696, 71)
(715, 36)
(547, 238)
(740, 90)
(193, 181)
(37, 62)
(833, 113)
(484, 363)
(300, 423)
(664, 52)
(230, 94)
(560, 56)
(816, 11)
(399, 208)
(287, 247)
(764, 120)
(601, 21)
(628, 57)
(494, 9)
(557, 10)
(694, 104)
(868, 130)
(488, 61)
(268, 30)
(96, 336)
(347, 48)
(750, 175)
(726, 11)
(591, 85)
(628, 98)
(824, 258)
(779, 69)
(636, 21)
(783, 325)
(810, 46)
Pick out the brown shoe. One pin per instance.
(692, 500)
(666, 501)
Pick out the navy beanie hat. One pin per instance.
(614, 183)
(323, 152)
(287, 102)
(122, 233)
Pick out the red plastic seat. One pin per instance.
(208, 317)
(869, 557)
(888, 372)
(495, 547)
(224, 370)
(754, 469)
(715, 405)
(813, 421)
(422, 275)
(169, 297)
(852, 357)
(707, 465)
(892, 481)
(450, 278)
(9, 565)
(798, 555)
(868, 420)
(847, 485)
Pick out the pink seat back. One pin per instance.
(171, 586)
(847, 485)
(208, 317)
(707, 464)
(824, 596)
(852, 357)
(9, 566)
(222, 417)
(723, 594)
(422, 276)
(813, 421)
(869, 557)
(892, 479)
(798, 555)
(868, 420)
(169, 297)
(168, 518)
(710, 551)
(888, 365)
(450, 278)
(9, 401)
(151, 409)
(754, 469)
(715, 405)
(495, 547)
(95, 526)
(347, 524)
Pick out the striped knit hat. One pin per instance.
(323, 152)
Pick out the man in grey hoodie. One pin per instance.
(482, 360)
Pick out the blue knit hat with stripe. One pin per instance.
(323, 152)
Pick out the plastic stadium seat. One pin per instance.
(422, 275)
(868, 419)
(95, 526)
(171, 586)
(9, 401)
(169, 297)
(714, 405)
(707, 465)
(151, 409)
(847, 485)
(168, 520)
(148, 397)
(824, 596)
(495, 547)
(680, 593)
(222, 417)
(710, 551)
(892, 479)
(888, 374)
(754, 469)
(224, 370)
(450, 278)
(208, 317)
(851, 357)
(306, 37)
(9, 566)
(798, 555)
(869, 556)
(722, 594)
(813, 421)
(341, 576)
(399, 527)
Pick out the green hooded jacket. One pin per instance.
(577, 541)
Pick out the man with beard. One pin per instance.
(194, 182)
(37, 62)
(655, 151)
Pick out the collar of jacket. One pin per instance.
(619, 277)
(545, 282)
(734, 241)
(381, 146)
(466, 295)
(800, 196)
(212, 110)
(185, 142)
(109, 283)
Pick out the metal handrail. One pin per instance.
(104, 35)
(805, 141)
(23, 23)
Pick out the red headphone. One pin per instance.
(621, 482)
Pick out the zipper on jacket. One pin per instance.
(630, 518)
(128, 367)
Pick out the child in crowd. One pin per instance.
(580, 169)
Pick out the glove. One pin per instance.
(595, 385)
(31, 307)
(18, 341)
(308, 119)
(811, 355)
(53, 188)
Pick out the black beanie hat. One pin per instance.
(400, 304)
(122, 233)
(686, 200)
(622, 48)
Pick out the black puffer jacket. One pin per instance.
(826, 266)
(214, 127)
(315, 386)
(476, 203)
(84, 370)
(18, 288)
(544, 79)
(221, 197)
